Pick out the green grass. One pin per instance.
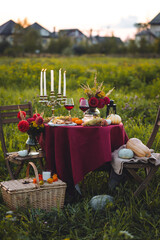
(137, 98)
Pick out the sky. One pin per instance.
(104, 17)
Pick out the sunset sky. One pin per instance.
(104, 17)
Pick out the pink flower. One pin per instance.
(107, 100)
(36, 115)
(29, 120)
(21, 115)
(93, 102)
(23, 126)
(39, 120)
(101, 103)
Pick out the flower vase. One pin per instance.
(93, 111)
(32, 142)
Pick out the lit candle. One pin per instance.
(64, 84)
(45, 91)
(41, 83)
(59, 86)
(52, 80)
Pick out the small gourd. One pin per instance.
(125, 153)
(115, 118)
(138, 147)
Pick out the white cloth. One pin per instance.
(117, 163)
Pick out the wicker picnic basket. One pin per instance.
(24, 193)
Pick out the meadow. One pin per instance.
(136, 93)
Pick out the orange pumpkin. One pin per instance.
(50, 180)
(55, 178)
(79, 121)
(74, 119)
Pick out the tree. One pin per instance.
(18, 39)
(32, 40)
(132, 47)
(157, 45)
(141, 26)
(58, 45)
(3, 46)
(143, 46)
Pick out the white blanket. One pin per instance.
(117, 163)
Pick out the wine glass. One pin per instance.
(84, 105)
(69, 104)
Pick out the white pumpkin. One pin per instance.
(125, 153)
(115, 118)
(100, 201)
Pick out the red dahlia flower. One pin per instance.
(93, 102)
(107, 100)
(101, 103)
(36, 115)
(39, 120)
(29, 120)
(21, 115)
(23, 126)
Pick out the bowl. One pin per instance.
(23, 153)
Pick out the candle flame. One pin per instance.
(42, 70)
(45, 70)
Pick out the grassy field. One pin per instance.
(137, 84)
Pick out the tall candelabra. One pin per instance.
(52, 101)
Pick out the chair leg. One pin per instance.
(13, 174)
(41, 164)
(135, 175)
(144, 184)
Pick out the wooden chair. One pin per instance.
(8, 115)
(150, 169)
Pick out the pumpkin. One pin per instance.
(138, 147)
(125, 153)
(100, 201)
(115, 118)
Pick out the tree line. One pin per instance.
(28, 40)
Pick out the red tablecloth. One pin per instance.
(73, 151)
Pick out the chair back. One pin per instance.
(155, 129)
(8, 115)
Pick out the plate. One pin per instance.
(56, 125)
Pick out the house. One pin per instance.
(44, 33)
(155, 25)
(7, 31)
(146, 34)
(98, 39)
(74, 34)
(151, 32)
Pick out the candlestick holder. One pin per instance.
(52, 101)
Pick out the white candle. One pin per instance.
(52, 80)
(64, 84)
(59, 86)
(41, 83)
(45, 91)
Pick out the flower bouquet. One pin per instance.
(32, 126)
(96, 95)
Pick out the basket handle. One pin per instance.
(35, 172)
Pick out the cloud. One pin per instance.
(127, 22)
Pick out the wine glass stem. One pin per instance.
(69, 112)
